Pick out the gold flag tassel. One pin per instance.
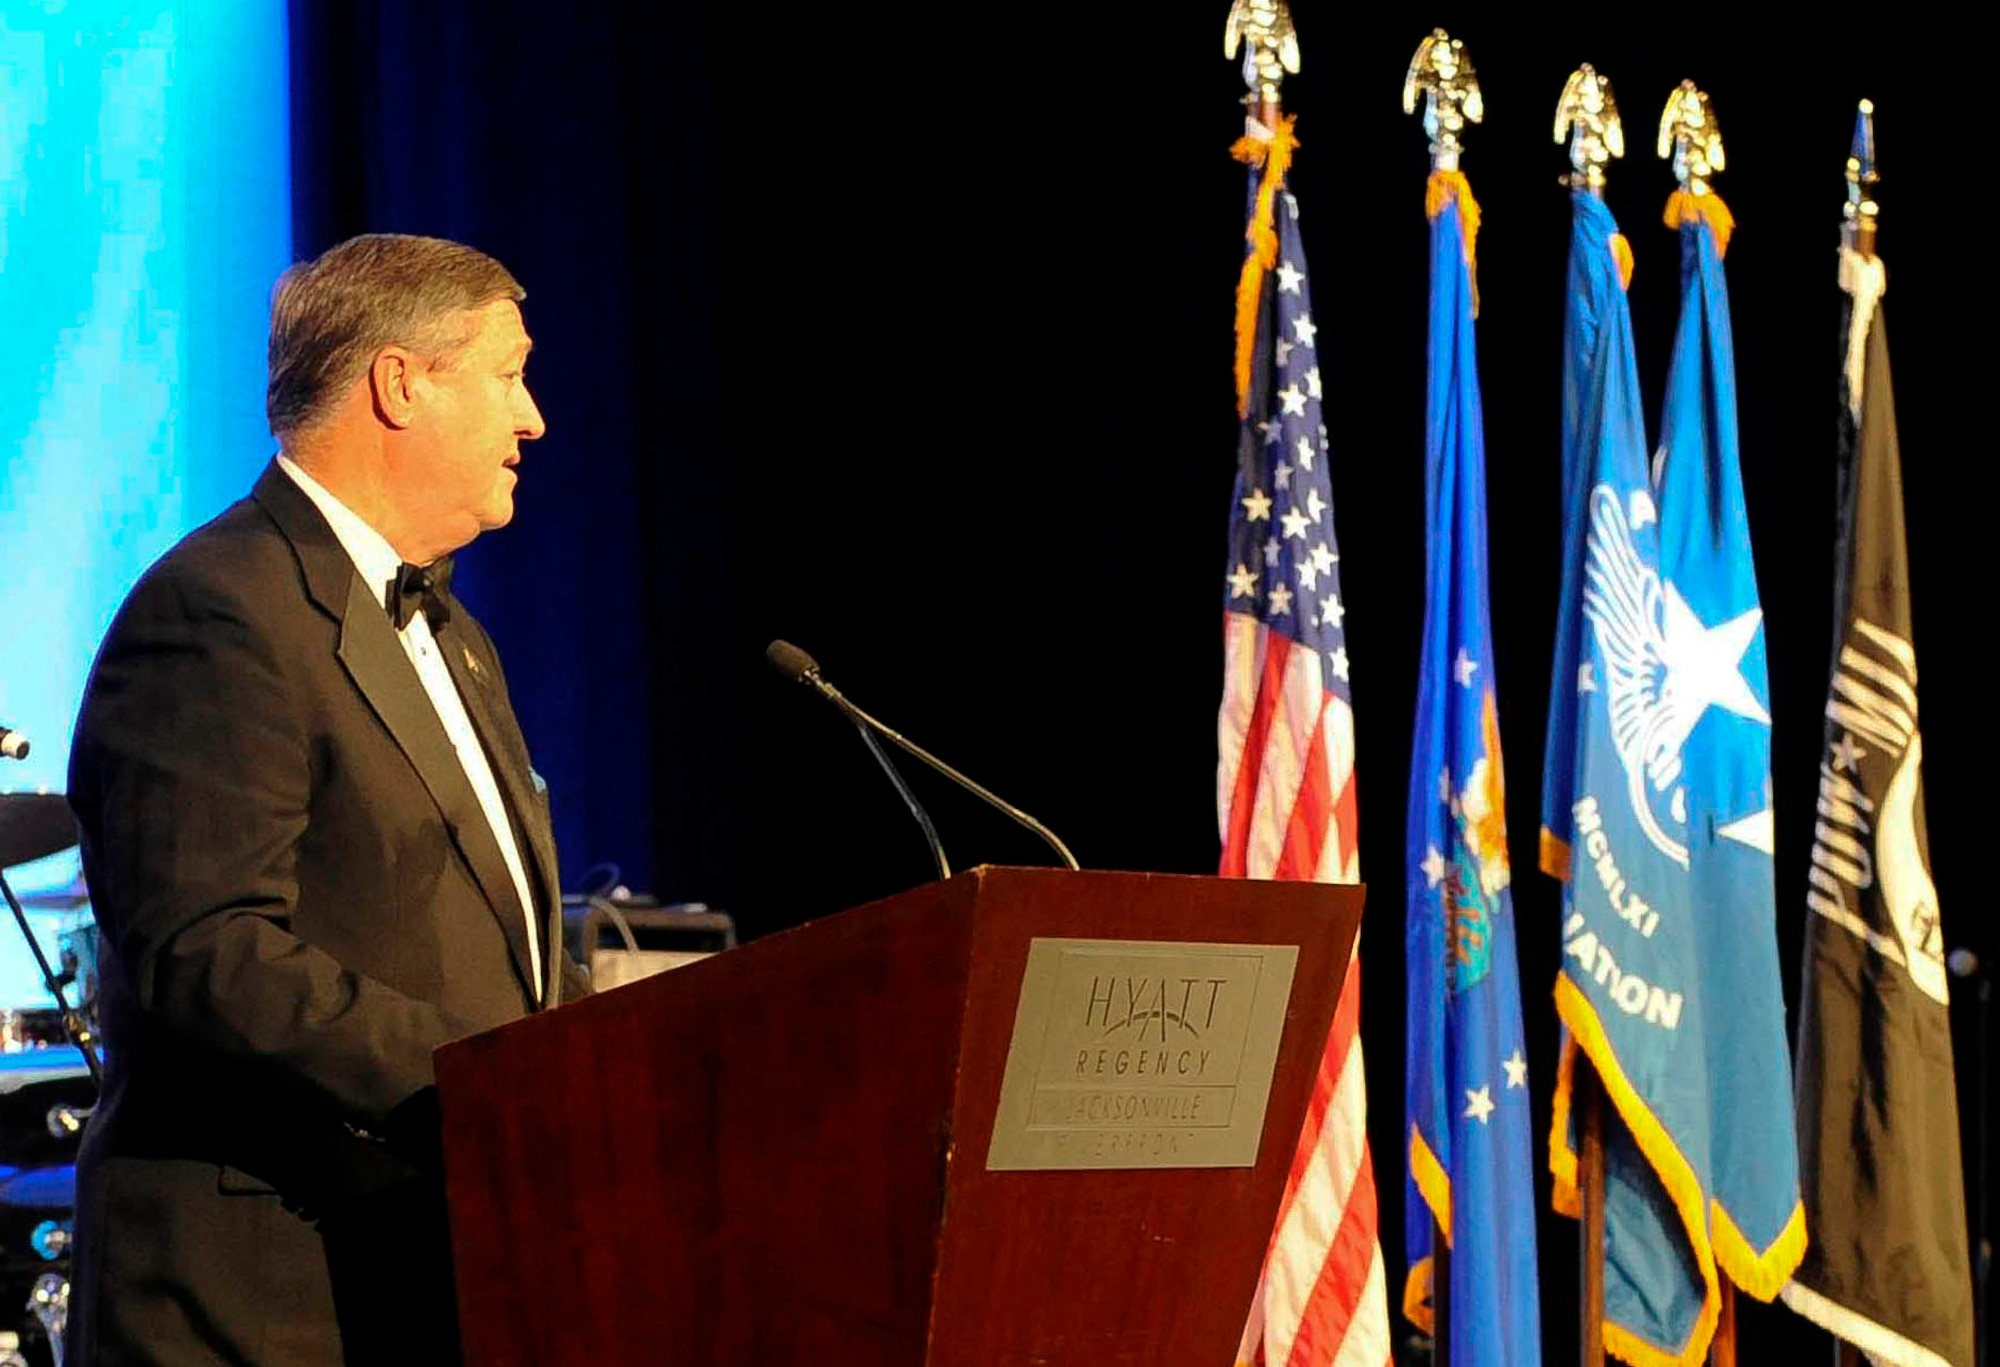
(1270, 148)
(1690, 139)
(1442, 72)
(1262, 30)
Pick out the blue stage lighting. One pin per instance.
(144, 215)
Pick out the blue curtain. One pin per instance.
(490, 127)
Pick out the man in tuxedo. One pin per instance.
(315, 846)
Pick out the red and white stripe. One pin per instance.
(1285, 799)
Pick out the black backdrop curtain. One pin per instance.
(907, 337)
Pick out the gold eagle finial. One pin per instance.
(1690, 137)
(1263, 30)
(1587, 115)
(1442, 70)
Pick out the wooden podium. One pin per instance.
(779, 1156)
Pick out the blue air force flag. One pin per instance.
(1599, 261)
(1471, 1152)
(1669, 978)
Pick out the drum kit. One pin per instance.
(48, 1086)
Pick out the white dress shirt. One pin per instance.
(378, 564)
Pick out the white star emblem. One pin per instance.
(1257, 506)
(1281, 475)
(1273, 549)
(1308, 574)
(1464, 667)
(1243, 583)
(1284, 353)
(1315, 504)
(1293, 400)
(1433, 866)
(1847, 754)
(1324, 557)
(1281, 600)
(1289, 277)
(1479, 1104)
(1312, 382)
(1296, 524)
(1759, 831)
(1331, 611)
(1274, 432)
(1705, 663)
(1305, 450)
(1586, 682)
(1517, 1070)
(1338, 659)
(1303, 325)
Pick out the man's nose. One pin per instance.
(528, 424)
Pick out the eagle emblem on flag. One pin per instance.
(1663, 666)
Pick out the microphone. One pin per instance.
(794, 663)
(13, 745)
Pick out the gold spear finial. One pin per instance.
(1588, 116)
(1442, 70)
(1263, 30)
(1860, 209)
(1690, 138)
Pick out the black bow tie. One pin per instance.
(420, 587)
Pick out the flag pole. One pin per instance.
(1860, 212)
(1589, 1095)
(1722, 1348)
(1442, 72)
(1587, 119)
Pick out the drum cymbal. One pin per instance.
(34, 826)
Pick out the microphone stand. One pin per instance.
(795, 664)
(74, 1024)
(1982, 1276)
(866, 723)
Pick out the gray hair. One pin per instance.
(331, 316)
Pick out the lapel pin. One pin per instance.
(472, 665)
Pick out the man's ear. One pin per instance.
(392, 384)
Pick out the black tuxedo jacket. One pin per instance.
(299, 899)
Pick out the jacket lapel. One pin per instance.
(493, 718)
(375, 660)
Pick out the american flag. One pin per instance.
(1285, 792)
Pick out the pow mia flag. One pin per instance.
(1887, 1267)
